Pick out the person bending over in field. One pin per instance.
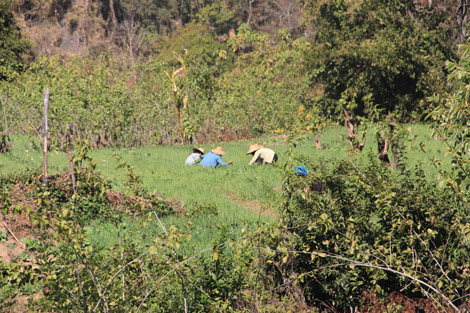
(194, 157)
(214, 158)
(262, 155)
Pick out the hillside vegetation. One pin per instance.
(131, 74)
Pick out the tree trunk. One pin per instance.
(112, 14)
(250, 12)
(383, 145)
(5, 144)
(462, 19)
(354, 143)
(317, 143)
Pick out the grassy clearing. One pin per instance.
(230, 189)
(242, 194)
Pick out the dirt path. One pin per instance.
(252, 205)
(20, 226)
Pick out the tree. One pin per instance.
(377, 55)
(268, 83)
(217, 17)
(12, 46)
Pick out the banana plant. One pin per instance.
(180, 96)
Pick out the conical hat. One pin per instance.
(218, 151)
(254, 148)
(195, 149)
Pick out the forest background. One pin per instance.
(133, 73)
(125, 74)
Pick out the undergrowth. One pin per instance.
(351, 234)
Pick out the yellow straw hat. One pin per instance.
(195, 149)
(254, 148)
(218, 151)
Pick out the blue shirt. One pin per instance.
(211, 159)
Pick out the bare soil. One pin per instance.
(19, 226)
(252, 205)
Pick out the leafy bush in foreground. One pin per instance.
(368, 229)
(349, 232)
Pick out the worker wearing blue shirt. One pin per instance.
(213, 158)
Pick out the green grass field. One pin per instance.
(242, 194)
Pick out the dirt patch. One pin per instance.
(122, 201)
(16, 227)
(252, 205)
(21, 305)
(176, 204)
(19, 224)
(397, 302)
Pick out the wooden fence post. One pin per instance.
(69, 157)
(45, 133)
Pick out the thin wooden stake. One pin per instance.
(72, 170)
(45, 133)
(69, 157)
(19, 242)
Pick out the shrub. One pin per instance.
(204, 209)
(373, 230)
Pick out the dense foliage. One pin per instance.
(203, 71)
(103, 101)
(378, 56)
(452, 119)
(356, 228)
(12, 46)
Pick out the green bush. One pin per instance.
(31, 243)
(368, 229)
(205, 210)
